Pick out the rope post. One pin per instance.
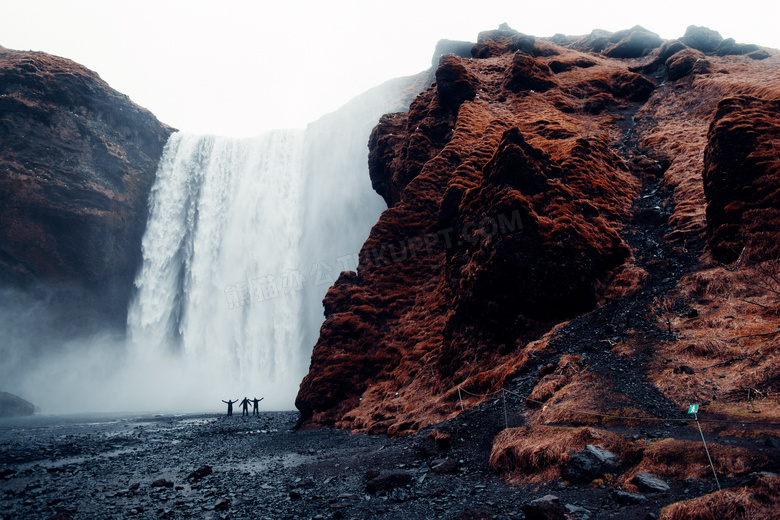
(696, 418)
(506, 421)
(460, 398)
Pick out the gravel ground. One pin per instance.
(142, 467)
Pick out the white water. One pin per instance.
(218, 296)
(243, 240)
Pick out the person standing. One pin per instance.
(230, 406)
(255, 402)
(245, 407)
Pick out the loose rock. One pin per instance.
(650, 483)
(546, 508)
(388, 480)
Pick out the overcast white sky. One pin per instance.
(235, 67)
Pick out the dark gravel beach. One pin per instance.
(213, 467)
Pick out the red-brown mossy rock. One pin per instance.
(454, 83)
(631, 86)
(528, 73)
(505, 212)
(757, 501)
(685, 63)
(598, 103)
(402, 143)
(622, 84)
(668, 49)
(502, 41)
(632, 43)
(742, 177)
(558, 66)
(547, 251)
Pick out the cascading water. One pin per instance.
(243, 239)
(219, 288)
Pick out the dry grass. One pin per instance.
(579, 399)
(759, 502)
(685, 459)
(538, 454)
(732, 344)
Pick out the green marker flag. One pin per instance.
(694, 408)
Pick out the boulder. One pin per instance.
(760, 54)
(702, 38)
(591, 462)
(547, 507)
(626, 498)
(686, 63)
(650, 483)
(633, 43)
(388, 480)
(14, 406)
(199, 473)
(444, 466)
(729, 46)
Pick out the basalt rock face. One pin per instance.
(513, 189)
(77, 161)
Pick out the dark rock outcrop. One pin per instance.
(632, 43)
(77, 161)
(702, 39)
(685, 63)
(501, 41)
(14, 406)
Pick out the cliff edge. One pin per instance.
(77, 162)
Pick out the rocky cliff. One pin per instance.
(77, 161)
(582, 231)
(538, 181)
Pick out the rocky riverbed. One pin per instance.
(215, 467)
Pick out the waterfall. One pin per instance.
(220, 286)
(244, 237)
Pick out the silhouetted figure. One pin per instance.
(255, 402)
(245, 406)
(230, 406)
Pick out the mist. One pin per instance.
(244, 237)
